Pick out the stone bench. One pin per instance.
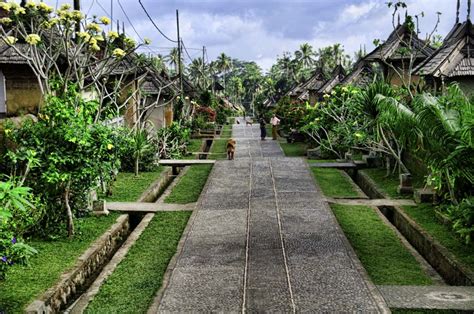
(181, 163)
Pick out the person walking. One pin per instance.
(275, 123)
(263, 128)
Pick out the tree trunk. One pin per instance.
(70, 218)
(137, 162)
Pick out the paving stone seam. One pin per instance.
(280, 231)
(244, 295)
(375, 293)
(160, 294)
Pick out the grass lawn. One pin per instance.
(390, 184)
(294, 149)
(219, 149)
(424, 216)
(23, 284)
(384, 257)
(334, 183)
(194, 146)
(129, 187)
(190, 185)
(134, 283)
(226, 131)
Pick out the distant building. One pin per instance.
(395, 55)
(337, 76)
(453, 61)
(362, 75)
(309, 89)
(20, 92)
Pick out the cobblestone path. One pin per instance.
(263, 239)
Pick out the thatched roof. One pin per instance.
(316, 81)
(401, 37)
(361, 76)
(337, 76)
(8, 54)
(455, 57)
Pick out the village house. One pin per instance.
(20, 91)
(453, 61)
(308, 90)
(337, 76)
(400, 53)
(362, 75)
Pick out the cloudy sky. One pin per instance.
(261, 30)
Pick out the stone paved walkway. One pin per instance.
(264, 240)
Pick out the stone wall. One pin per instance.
(85, 270)
(437, 255)
(157, 188)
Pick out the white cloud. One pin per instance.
(354, 12)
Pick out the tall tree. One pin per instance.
(224, 64)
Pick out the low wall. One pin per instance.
(155, 190)
(445, 263)
(368, 185)
(86, 268)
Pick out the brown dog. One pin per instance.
(248, 122)
(231, 149)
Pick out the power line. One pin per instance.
(153, 22)
(186, 50)
(129, 21)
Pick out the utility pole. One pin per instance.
(77, 7)
(179, 55)
(112, 14)
(203, 66)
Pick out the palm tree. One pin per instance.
(199, 73)
(224, 64)
(305, 56)
(173, 59)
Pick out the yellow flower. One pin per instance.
(7, 131)
(53, 21)
(110, 146)
(94, 47)
(77, 15)
(19, 11)
(10, 40)
(45, 8)
(30, 5)
(118, 53)
(326, 96)
(5, 20)
(99, 38)
(5, 6)
(105, 20)
(33, 39)
(93, 41)
(113, 35)
(147, 41)
(65, 7)
(129, 42)
(94, 27)
(84, 35)
(359, 135)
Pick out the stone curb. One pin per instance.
(173, 262)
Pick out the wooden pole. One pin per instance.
(179, 55)
(469, 10)
(77, 7)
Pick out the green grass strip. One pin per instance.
(334, 183)
(194, 146)
(219, 149)
(189, 187)
(24, 284)
(294, 149)
(424, 215)
(133, 285)
(384, 257)
(226, 131)
(390, 184)
(128, 187)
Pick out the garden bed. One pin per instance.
(385, 258)
(138, 277)
(334, 183)
(190, 186)
(219, 149)
(24, 284)
(294, 149)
